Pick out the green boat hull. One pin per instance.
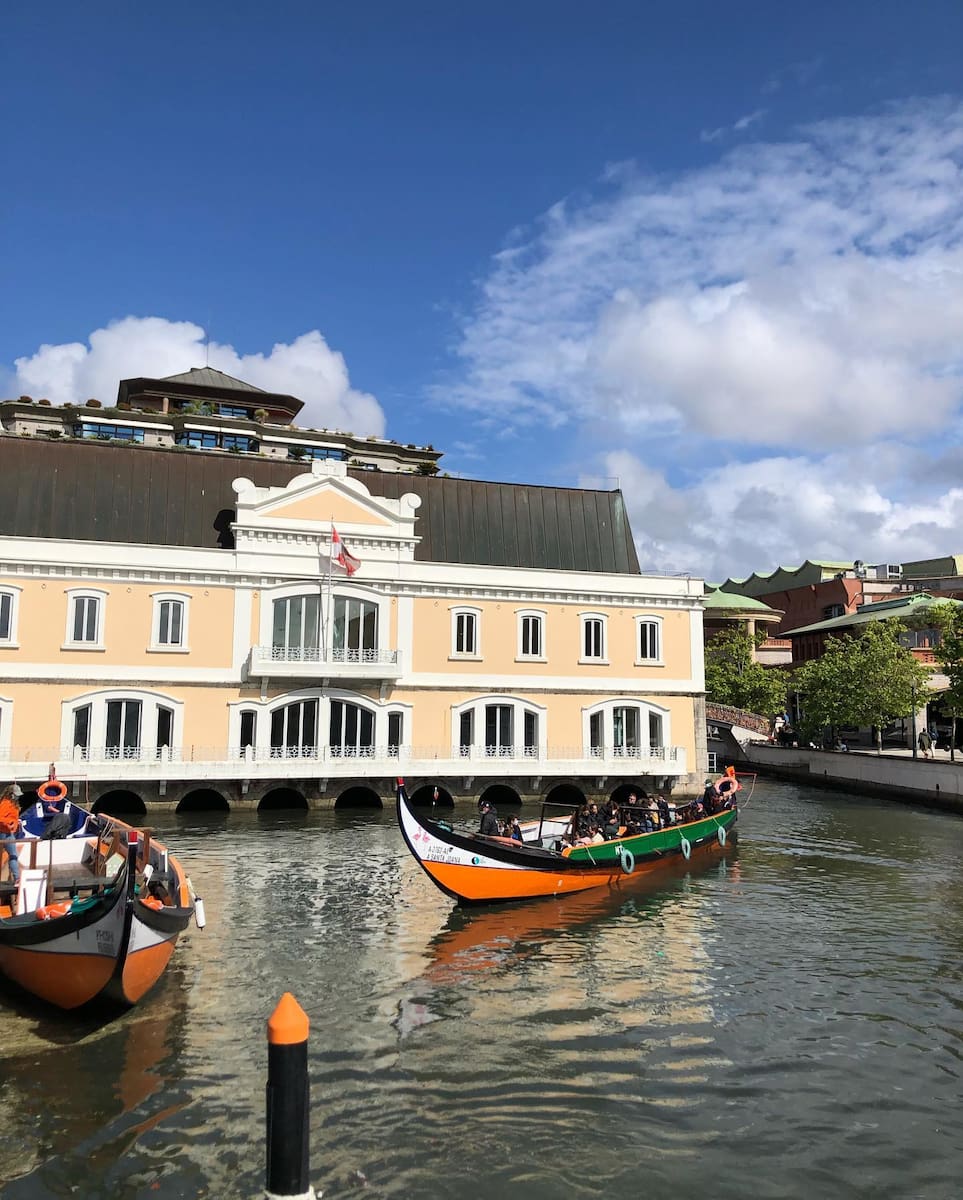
(660, 843)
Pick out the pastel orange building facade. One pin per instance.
(168, 668)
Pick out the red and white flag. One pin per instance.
(341, 555)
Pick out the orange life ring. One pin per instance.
(52, 792)
(50, 911)
(154, 902)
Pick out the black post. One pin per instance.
(288, 1106)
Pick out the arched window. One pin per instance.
(593, 644)
(306, 626)
(122, 725)
(315, 724)
(648, 640)
(626, 729)
(499, 727)
(169, 621)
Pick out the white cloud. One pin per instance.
(154, 347)
(740, 126)
(797, 303)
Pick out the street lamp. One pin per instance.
(913, 716)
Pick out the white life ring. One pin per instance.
(722, 835)
(628, 859)
(685, 847)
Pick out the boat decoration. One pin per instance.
(475, 868)
(98, 907)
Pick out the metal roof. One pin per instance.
(208, 377)
(86, 490)
(878, 610)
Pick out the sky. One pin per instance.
(711, 254)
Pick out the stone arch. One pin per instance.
(359, 796)
(501, 796)
(282, 799)
(566, 793)
(621, 794)
(203, 800)
(120, 802)
(425, 795)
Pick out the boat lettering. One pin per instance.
(105, 941)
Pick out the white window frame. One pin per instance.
(6, 724)
(659, 659)
(265, 710)
(149, 701)
(465, 610)
(156, 645)
(85, 593)
(350, 591)
(607, 709)
(602, 658)
(530, 614)
(477, 705)
(12, 591)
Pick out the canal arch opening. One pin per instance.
(203, 800)
(359, 797)
(120, 802)
(431, 796)
(283, 799)
(566, 793)
(501, 796)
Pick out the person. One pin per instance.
(581, 823)
(665, 816)
(925, 743)
(512, 828)
(489, 820)
(612, 822)
(727, 787)
(9, 828)
(710, 796)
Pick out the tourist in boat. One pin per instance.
(489, 820)
(581, 823)
(665, 812)
(612, 821)
(711, 796)
(512, 828)
(9, 828)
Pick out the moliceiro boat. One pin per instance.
(98, 907)
(475, 868)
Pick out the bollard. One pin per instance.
(287, 1102)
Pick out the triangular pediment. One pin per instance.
(325, 505)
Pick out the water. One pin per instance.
(784, 1022)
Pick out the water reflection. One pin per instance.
(791, 1010)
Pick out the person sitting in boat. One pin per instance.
(612, 820)
(489, 820)
(9, 829)
(512, 828)
(593, 836)
(665, 812)
(710, 797)
(581, 820)
(727, 787)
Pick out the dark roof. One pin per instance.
(208, 377)
(88, 491)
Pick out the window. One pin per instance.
(121, 724)
(531, 643)
(9, 604)
(232, 410)
(834, 610)
(649, 640)
(593, 638)
(319, 452)
(396, 726)
(464, 632)
(294, 730)
(169, 626)
(297, 628)
(504, 726)
(105, 432)
(355, 630)
(85, 619)
(619, 729)
(350, 730)
(210, 439)
(81, 738)
(248, 729)
(123, 729)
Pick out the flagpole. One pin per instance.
(327, 615)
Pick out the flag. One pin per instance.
(341, 555)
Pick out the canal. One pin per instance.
(786, 1021)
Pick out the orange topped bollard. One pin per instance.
(288, 1107)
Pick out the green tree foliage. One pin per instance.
(869, 679)
(734, 677)
(948, 619)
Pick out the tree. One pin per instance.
(869, 679)
(734, 677)
(948, 619)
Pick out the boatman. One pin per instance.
(9, 828)
(489, 820)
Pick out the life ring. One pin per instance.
(628, 860)
(685, 847)
(52, 792)
(721, 835)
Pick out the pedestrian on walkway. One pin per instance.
(925, 743)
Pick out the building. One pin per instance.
(172, 631)
(204, 409)
(723, 610)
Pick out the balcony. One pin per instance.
(224, 763)
(311, 662)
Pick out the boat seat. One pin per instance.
(33, 889)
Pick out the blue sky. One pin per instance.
(712, 252)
